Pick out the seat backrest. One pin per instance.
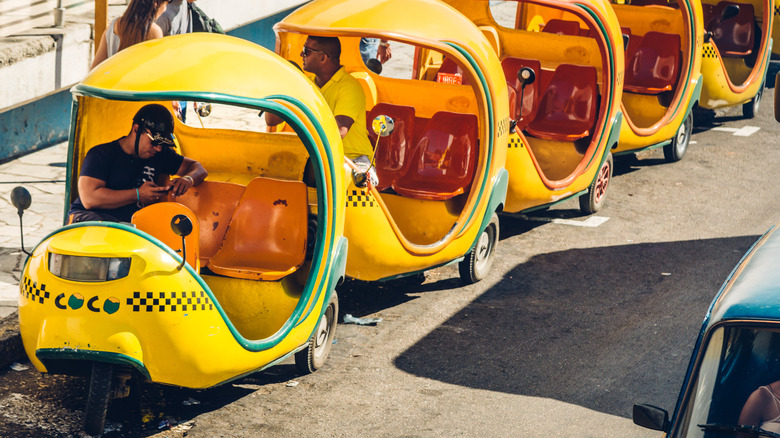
(567, 110)
(266, 238)
(444, 160)
(735, 36)
(393, 152)
(562, 27)
(449, 67)
(655, 63)
(213, 203)
(156, 219)
(526, 109)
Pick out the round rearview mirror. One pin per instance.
(526, 76)
(20, 198)
(203, 108)
(181, 225)
(383, 125)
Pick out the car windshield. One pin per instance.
(737, 363)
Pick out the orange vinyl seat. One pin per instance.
(567, 111)
(523, 111)
(734, 37)
(444, 160)
(393, 152)
(155, 220)
(213, 203)
(654, 65)
(266, 238)
(562, 27)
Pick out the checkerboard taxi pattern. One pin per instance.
(170, 301)
(33, 292)
(360, 198)
(515, 142)
(709, 51)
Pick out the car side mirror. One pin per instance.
(526, 76)
(181, 225)
(202, 108)
(651, 417)
(21, 199)
(729, 12)
(383, 125)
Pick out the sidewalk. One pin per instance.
(43, 174)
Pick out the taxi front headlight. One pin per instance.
(81, 268)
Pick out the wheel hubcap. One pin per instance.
(323, 330)
(482, 249)
(601, 182)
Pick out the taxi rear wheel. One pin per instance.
(750, 109)
(478, 261)
(100, 390)
(592, 201)
(311, 358)
(675, 150)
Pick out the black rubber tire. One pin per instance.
(476, 265)
(675, 150)
(592, 201)
(101, 383)
(313, 357)
(750, 109)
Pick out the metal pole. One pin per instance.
(101, 20)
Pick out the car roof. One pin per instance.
(752, 291)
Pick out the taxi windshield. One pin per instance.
(737, 384)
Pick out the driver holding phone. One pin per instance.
(119, 178)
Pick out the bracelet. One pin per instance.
(137, 196)
(384, 44)
(189, 178)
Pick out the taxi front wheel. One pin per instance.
(675, 150)
(750, 109)
(311, 358)
(100, 391)
(592, 201)
(476, 265)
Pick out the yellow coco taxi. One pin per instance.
(736, 53)
(440, 169)
(663, 48)
(251, 281)
(563, 61)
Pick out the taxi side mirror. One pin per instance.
(651, 417)
(181, 225)
(21, 199)
(729, 12)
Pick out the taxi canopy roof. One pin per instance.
(203, 65)
(415, 21)
(753, 290)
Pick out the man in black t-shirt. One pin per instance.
(120, 177)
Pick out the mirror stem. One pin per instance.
(21, 231)
(183, 253)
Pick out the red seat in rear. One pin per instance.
(734, 37)
(444, 160)
(524, 111)
(562, 27)
(654, 65)
(393, 152)
(567, 110)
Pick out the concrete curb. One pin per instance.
(11, 348)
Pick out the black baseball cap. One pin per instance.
(158, 121)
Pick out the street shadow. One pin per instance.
(602, 328)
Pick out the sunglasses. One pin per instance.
(158, 140)
(307, 50)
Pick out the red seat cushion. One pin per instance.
(653, 65)
(525, 110)
(734, 37)
(567, 110)
(393, 152)
(562, 27)
(444, 160)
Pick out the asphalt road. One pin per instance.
(574, 324)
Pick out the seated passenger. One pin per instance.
(762, 408)
(119, 178)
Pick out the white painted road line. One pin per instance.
(745, 131)
(591, 222)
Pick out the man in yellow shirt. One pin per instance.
(342, 92)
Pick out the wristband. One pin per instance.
(189, 178)
(137, 196)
